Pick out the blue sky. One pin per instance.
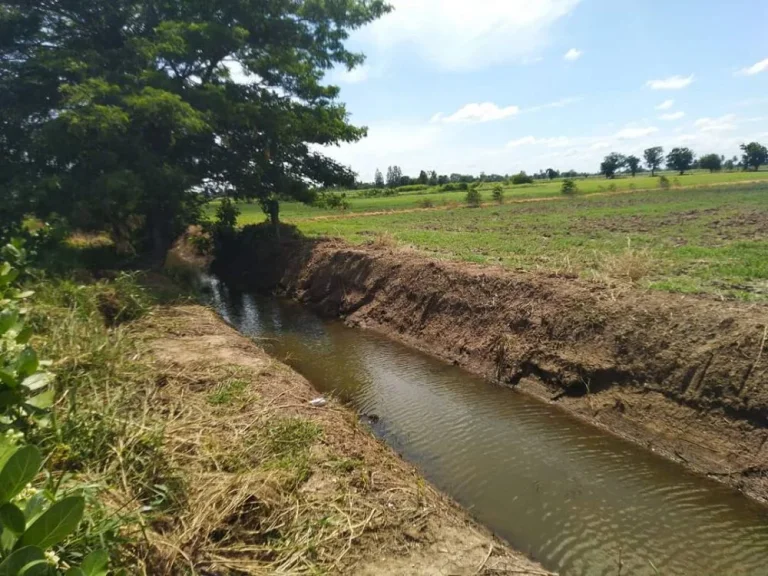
(508, 85)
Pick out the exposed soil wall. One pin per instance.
(683, 375)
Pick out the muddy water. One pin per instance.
(571, 496)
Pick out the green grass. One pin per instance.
(706, 240)
(228, 392)
(294, 211)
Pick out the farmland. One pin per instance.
(711, 240)
(436, 197)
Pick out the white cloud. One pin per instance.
(666, 105)
(524, 141)
(476, 113)
(555, 142)
(355, 76)
(461, 35)
(721, 124)
(672, 116)
(572, 54)
(761, 66)
(634, 133)
(671, 83)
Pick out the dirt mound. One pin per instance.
(685, 376)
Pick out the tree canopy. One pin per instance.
(124, 115)
(653, 158)
(711, 162)
(633, 164)
(755, 155)
(613, 162)
(680, 159)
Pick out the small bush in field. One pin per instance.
(474, 198)
(569, 187)
(498, 194)
(664, 183)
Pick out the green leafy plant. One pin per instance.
(664, 183)
(34, 522)
(25, 391)
(498, 194)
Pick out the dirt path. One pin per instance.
(455, 205)
(278, 486)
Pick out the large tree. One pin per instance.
(126, 114)
(711, 162)
(613, 162)
(680, 159)
(633, 164)
(653, 158)
(755, 155)
(378, 179)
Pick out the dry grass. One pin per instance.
(272, 484)
(631, 265)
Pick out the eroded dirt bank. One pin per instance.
(277, 486)
(682, 375)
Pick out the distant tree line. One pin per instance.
(679, 159)
(683, 159)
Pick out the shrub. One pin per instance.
(474, 198)
(664, 183)
(498, 194)
(569, 187)
(522, 178)
(426, 203)
(455, 186)
(332, 201)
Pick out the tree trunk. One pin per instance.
(274, 217)
(160, 237)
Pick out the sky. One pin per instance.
(500, 86)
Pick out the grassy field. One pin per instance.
(706, 240)
(293, 211)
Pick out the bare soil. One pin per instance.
(354, 507)
(684, 376)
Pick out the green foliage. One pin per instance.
(653, 158)
(455, 186)
(664, 182)
(680, 159)
(379, 192)
(32, 522)
(633, 164)
(522, 178)
(755, 155)
(569, 187)
(711, 162)
(473, 198)
(498, 194)
(117, 115)
(611, 164)
(332, 201)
